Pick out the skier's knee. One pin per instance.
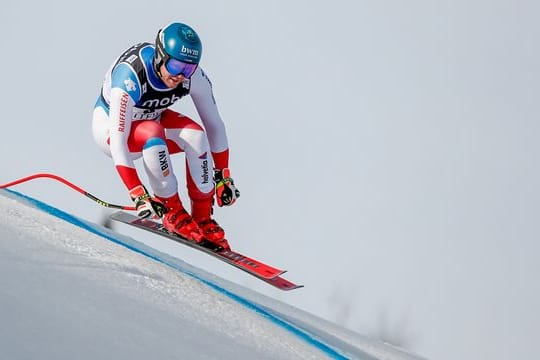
(151, 129)
(196, 139)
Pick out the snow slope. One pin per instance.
(72, 289)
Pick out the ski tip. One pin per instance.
(293, 287)
(283, 284)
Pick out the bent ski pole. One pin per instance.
(71, 185)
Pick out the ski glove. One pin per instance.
(226, 192)
(145, 205)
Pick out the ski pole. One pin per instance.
(71, 185)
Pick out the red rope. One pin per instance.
(68, 183)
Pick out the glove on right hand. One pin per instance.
(146, 205)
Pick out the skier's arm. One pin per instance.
(124, 87)
(121, 110)
(203, 99)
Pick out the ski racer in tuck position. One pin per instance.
(132, 119)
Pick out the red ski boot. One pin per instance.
(201, 210)
(178, 221)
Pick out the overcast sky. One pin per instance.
(386, 151)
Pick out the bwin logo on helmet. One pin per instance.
(189, 52)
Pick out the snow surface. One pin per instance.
(71, 289)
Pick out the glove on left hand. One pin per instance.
(226, 192)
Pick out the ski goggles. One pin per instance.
(176, 67)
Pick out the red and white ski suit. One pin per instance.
(132, 119)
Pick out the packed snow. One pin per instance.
(72, 289)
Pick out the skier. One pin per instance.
(132, 119)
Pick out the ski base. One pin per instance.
(258, 269)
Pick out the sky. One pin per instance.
(386, 151)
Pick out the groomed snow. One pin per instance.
(74, 290)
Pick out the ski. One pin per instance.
(282, 283)
(258, 269)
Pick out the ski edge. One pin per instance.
(227, 256)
